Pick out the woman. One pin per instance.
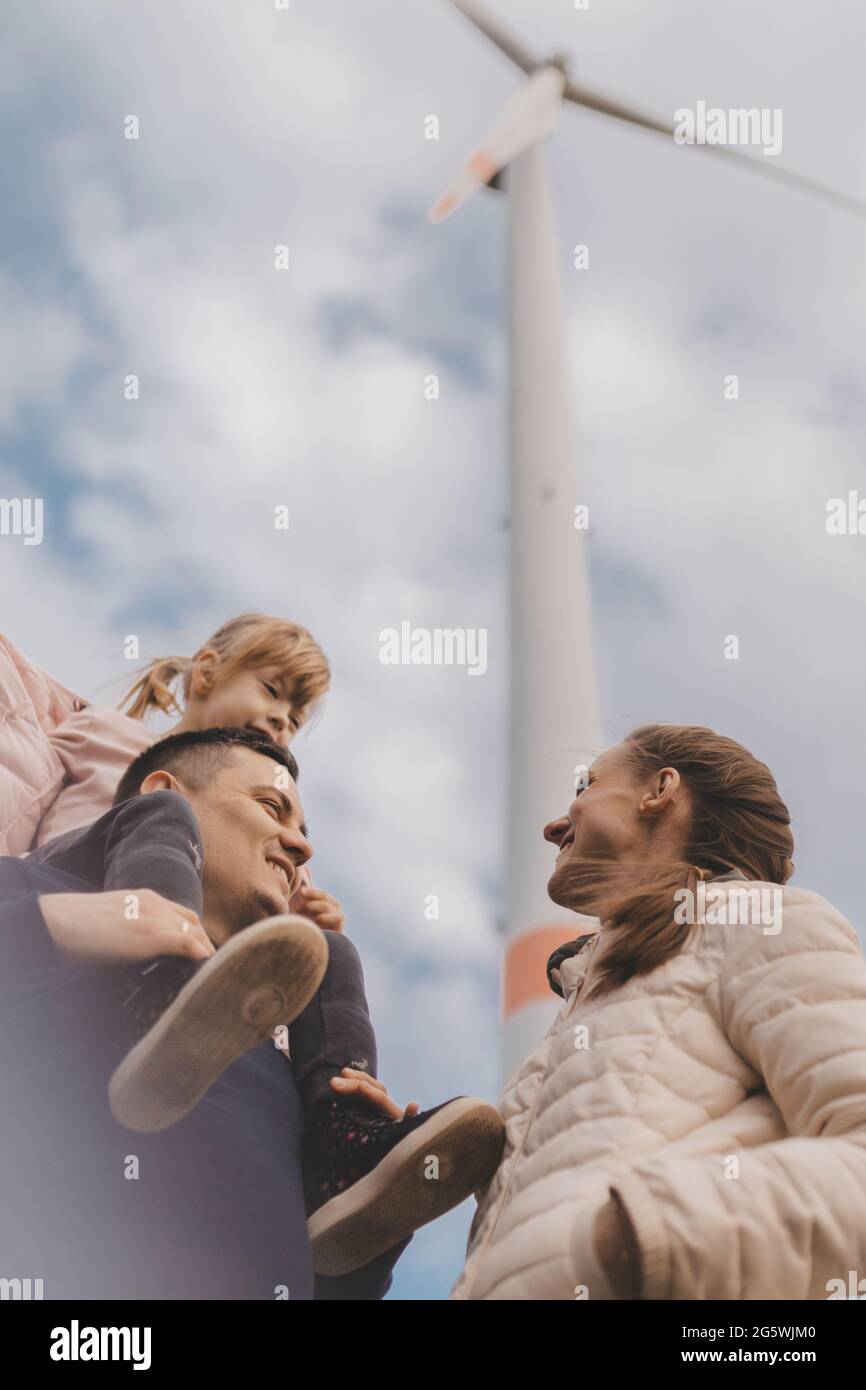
(693, 1125)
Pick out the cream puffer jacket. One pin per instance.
(722, 1096)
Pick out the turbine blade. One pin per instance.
(529, 118)
(780, 174)
(608, 106)
(493, 28)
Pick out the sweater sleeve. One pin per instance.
(783, 1219)
(26, 945)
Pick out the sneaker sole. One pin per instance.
(396, 1198)
(262, 977)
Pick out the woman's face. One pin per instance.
(613, 817)
(253, 698)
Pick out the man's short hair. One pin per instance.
(196, 756)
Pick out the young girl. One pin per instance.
(62, 757)
(693, 1126)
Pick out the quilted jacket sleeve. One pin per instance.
(31, 773)
(792, 1216)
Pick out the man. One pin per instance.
(205, 840)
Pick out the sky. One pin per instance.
(304, 387)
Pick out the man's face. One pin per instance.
(254, 839)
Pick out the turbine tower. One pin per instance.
(554, 713)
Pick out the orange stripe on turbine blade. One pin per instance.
(482, 166)
(525, 965)
(443, 208)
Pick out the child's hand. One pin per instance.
(319, 906)
(359, 1085)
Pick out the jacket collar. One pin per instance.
(573, 948)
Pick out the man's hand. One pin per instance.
(617, 1249)
(359, 1085)
(321, 908)
(96, 927)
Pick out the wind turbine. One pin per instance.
(554, 719)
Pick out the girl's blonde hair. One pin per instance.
(739, 821)
(252, 639)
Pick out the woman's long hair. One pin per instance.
(739, 821)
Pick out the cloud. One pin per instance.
(306, 387)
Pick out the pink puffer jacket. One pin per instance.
(32, 705)
(61, 757)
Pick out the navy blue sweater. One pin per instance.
(210, 1209)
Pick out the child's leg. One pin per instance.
(149, 842)
(369, 1180)
(334, 1031)
(154, 842)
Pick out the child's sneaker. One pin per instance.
(371, 1181)
(262, 977)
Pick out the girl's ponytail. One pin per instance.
(155, 687)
